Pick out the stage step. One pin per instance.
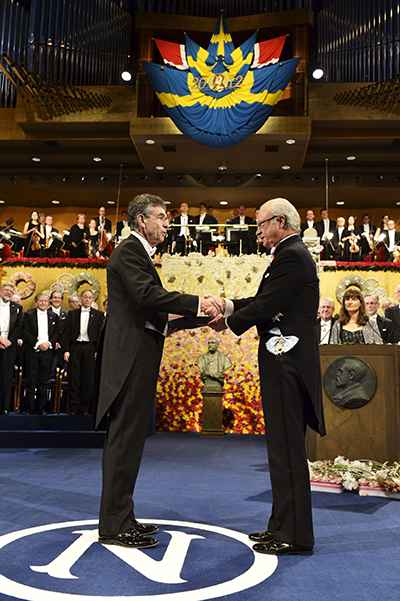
(48, 431)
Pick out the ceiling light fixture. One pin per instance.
(2, 202)
(285, 167)
(111, 202)
(105, 179)
(149, 141)
(258, 177)
(340, 202)
(67, 179)
(36, 159)
(290, 141)
(222, 167)
(160, 167)
(351, 157)
(223, 202)
(97, 159)
(55, 202)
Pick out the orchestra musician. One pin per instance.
(79, 238)
(49, 249)
(93, 239)
(34, 234)
(103, 222)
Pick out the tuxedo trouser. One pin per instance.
(7, 362)
(129, 420)
(38, 365)
(285, 404)
(81, 367)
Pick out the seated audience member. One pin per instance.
(82, 333)
(79, 238)
(337, 243)
(393, 312)
(366, 231)
(40, 334)
(73, 302)
(11, 319)
(351, 327)
(388, 329)
(309, 223)
(122, 224)
(325, 320)
(390, 241)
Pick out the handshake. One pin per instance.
(211, 305)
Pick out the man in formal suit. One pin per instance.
(325, 320)
(388, 329)
(393, 312)
(56, 298)
(309, 223)
(203, 238)
(390, 241)
(40, 334)
(284, 310)
(336, 245)
(123, 223)
(11, 318)
(51, 241)
(102, 221)
(366, 231)
(80, 341)
(242, 244)
(129, 360)
(183, 236)
(325, 227)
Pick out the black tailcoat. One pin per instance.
(8, 356)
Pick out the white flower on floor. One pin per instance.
(349, 482)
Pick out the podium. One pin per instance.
(368, 432)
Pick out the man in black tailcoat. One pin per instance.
(284, 311)
(129, 360)
(11, 318)
(388, 329)
(325, 320)
(393, 312)
(40, 334)
(79, 343)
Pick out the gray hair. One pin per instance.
(10, 285)
(281, 206)
(39, 294)
(141, 205)
(329, 299)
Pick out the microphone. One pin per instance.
(366, 317)
(336, 316)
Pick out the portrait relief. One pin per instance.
(350, 382)
(218, 82)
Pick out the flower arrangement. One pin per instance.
(22, 276)
(81, 278)
(58, 262)
(357, 474)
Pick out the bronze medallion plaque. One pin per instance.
(350, 382)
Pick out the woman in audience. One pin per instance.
(79, 238)
(353, 326)
(32, 231)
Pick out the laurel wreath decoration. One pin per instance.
(351, 280)
(22, 276)
(81, 278)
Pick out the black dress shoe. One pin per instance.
(131, 539)
(262, 537)
(275, 547)
(144, 528)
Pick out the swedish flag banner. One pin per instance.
(221, 95)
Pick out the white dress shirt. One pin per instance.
(83, 335)
(391, 237)
(325, 331)
(43, 328)
(184, 231)
(4, 318)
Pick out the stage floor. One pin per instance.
(206, 495)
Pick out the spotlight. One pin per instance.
(378, 178)
(336, 179)
(357, 178)
(219, 178)
(161, 179)
(315, 72)
(127, 73)
(105, 179)
(238, 179)
(222, 167)
(49, 179)
(143, 178)
(180, 178)
(13, 179)
(67, 179)
(31, 179)
(85, 180)
(277, 179)
(297, 179)
(258, 177)
(199, 178)
(124, 179)
(397, 178)
(315, 179)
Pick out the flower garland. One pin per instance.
(22, 276)
(344, 266)
(352, 474)
(81, 278)
(351, 280)
(46, 262)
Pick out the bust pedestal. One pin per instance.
(212, 415)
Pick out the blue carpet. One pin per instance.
(206, 495)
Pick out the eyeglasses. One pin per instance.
(265, 221)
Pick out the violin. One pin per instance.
(354, 248)
(396, 256)
(35, 241)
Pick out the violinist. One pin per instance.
(34, 234)
(49, 249)
(79, 238)
(351, 238)
(366, 231)
(93, 239)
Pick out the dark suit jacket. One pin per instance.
(289, 287)
(320, 227)
(208, 220)
(73, 328)
(393, 313)
(385, 242)
(107, 224)
(30, 328)
(364, 244)
(175, 230)
(135, 296)
(388, 329)
(120, 227)
(248, 220)
(16, 321)
(61, 320)
(305, 226)
(319, 329)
